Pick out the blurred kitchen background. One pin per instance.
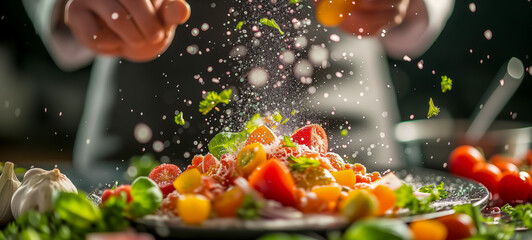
(40, 105)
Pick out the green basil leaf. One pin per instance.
(147, 197)
(76, 210)
(225, 142)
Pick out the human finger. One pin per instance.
(118, 19)
(86, 28)
(174, 12)
(144, 15)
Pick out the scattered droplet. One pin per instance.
(194, 32)
(114, 16)
(488, 34)
(205, 26)
(334, 38)
(258, 77)
(407, 58)
(193, 49)
(158, 146)
(472, 7)
(142, 133)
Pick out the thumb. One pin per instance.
(174, 12)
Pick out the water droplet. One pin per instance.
(420, 64)
(158, 146)
(142, 133)
(334, 38)
(287, 57)
(411, 116)
(195, 32)
(205, 26)
(300, 42)
(114, 16)
(258, 77)
(501, 82)
(88, 141)
(488, 34)
(303, 68)
(472, 7)
(318, 55)
(192, 49)
(338, 74)
(407, 58)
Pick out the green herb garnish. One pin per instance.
(179, 120)
(239, 25)
(227, 142)
(344, 132)
(288, 142)
(446, 83)
(406, 199)
(277, 116)
(294, 1)
(212, 99)
(302, 163)
(438, 191)
(271, 23)
(293, 112)
(521, 214)
(250, 209)
(433, 110)
(501, 231)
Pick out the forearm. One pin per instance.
(424, 21)
(48, 19)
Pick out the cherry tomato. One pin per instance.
(273, 179)
(122, 189)
(227, 203)
(487, 174)
(505, 158)
(515, 186)
(193, 208)
(312, 136)
(164, 175)
(458, 225)
(249, 158)
(203, 164)
(463, 159)
(428, 229)
(506, 166)
(188, 181)
(262, 135)
(336, 161)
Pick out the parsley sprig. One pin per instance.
(521, 214)
(300, 164)
(250, 209)
(438, 191)
(288, 142)
(213, 99)
(446, 84)
(433, 110)
(417, 205)
(179, 120)
(271, 23)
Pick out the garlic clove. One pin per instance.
(9, 183)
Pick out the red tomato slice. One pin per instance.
(515, 186)
(203, 164)
(164, 175)
(487, 174)
(463, 159)
(312, 136)
(273, 179)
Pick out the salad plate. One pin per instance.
(461, 191)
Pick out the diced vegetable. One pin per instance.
(345, 178)
(429, 229)
(327, 193)
(359, 204)
(313, 176)
(193, 208)
(386, 198)
(165, 175)
(227, 203)
(203, 164)
(188, 181)
(249, 158)
(262, 135)
(312, 136)
(273, 179)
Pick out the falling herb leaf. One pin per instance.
(285, 120)
(446, 83)
(294, 112)
(344, 132)
(271, 23)
(179, 120)
(288, 142)
(294, 1)
(212, 99)
(438, 191)
(433, 110)
(239, 25)
(302, 163)
(277, 116)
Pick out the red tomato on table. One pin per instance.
(312, 136)
(463, 159)
(122, 189)
(273, 179)
(515, 186)
(459, 226)
(506, 166)
(487, 174)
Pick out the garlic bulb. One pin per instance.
(37, 189)
(9, 183)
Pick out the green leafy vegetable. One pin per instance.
(225, 142)
(446, 83)
(302, 163)
(250, 209)
(277, 116)
(433, 110)
(252, 124)
(271, 23)
(293, 112)
(76, 210)
(179, 120)
(239, 25)
(213, 99)
(438, 191)
(484, 231)
(375, 229)
(114, 211)
(147, 197)
(140, 166)
(406, 199)
(288, 142)
(520, 214)
(294, 1)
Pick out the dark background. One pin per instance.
(40, 105)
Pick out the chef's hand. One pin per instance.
(367, 17)
(137, 30)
